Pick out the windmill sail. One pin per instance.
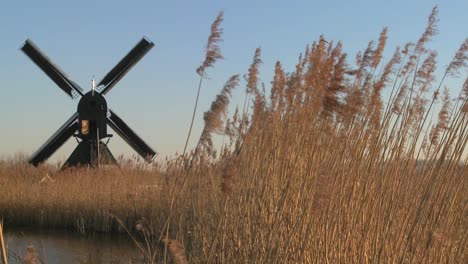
(55, 141)
(52, 70)
(125, 65)
(127, 134)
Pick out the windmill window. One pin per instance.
(84, 127)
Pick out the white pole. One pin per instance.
(92, 85)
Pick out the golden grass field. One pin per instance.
(320, 169)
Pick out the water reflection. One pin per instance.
(62, 247)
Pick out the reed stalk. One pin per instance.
(2, 245)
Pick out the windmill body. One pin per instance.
(92, 127)
(92, 114)
(89, 123)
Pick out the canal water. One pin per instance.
(63, 247)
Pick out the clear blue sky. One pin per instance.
(87, 38)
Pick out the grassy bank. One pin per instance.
(321, 169)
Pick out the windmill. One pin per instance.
(89, 124)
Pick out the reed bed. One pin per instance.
(319, 169)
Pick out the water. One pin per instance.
(63, 247)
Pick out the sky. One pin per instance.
(87, 38)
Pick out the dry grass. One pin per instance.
(328, 171)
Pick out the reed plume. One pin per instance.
(465, 96)
(214, 118)
(465, 90)
(442, 122)
(367, 56)
(425, 74)
(259, 106)
(277, 88)
(294, 89)
(353, 103)
(212, 54)
(331, 102)
(380, 48)
(252, 76)
(376, 100)
(424, 78)
(291, 84)
(232, 126)
(212, 50)
(251, 89)
(460, 60)
(431, 31)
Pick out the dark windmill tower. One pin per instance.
(89, 123)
